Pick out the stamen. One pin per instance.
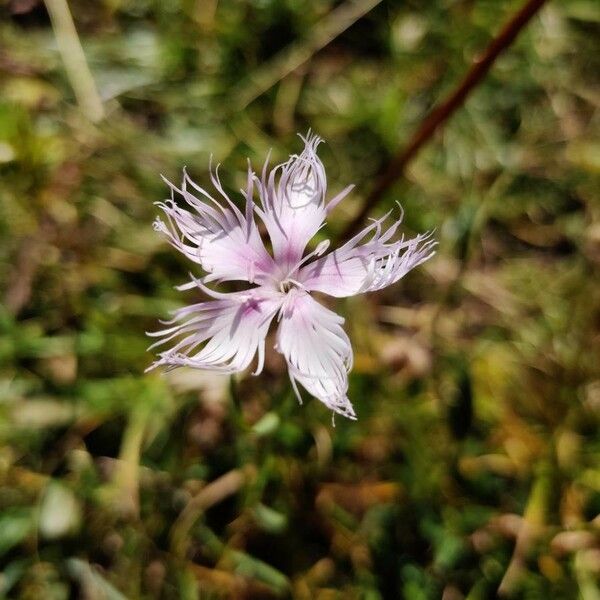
(318, 251)
(251, 271)
(288, 283)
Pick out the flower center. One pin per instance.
(288, 284)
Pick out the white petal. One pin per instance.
(221, 335)
(225, 242)
(365, 267)
(293, 202)
(317, 350)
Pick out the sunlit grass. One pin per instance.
(473, 466)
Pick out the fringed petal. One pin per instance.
(365, 266)
(317, 350)
(222, 335)
(223, 240)
(292, 198)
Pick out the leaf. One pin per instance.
(60, 513)
(15, 525)
(95, 587)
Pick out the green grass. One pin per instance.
(474, 465)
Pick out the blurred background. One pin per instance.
(474, 468)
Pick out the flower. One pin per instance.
(225, 333)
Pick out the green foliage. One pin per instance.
(473, 470)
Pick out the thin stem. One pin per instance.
(440, 114)
(218, 490)
(298, 53)
(76, 67)
(126, 479)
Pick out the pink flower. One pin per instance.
(224, 334)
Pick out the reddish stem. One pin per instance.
(441, 113)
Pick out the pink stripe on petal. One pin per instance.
(368, 266)
(222, 239)
(292, 199)
(221, 335)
